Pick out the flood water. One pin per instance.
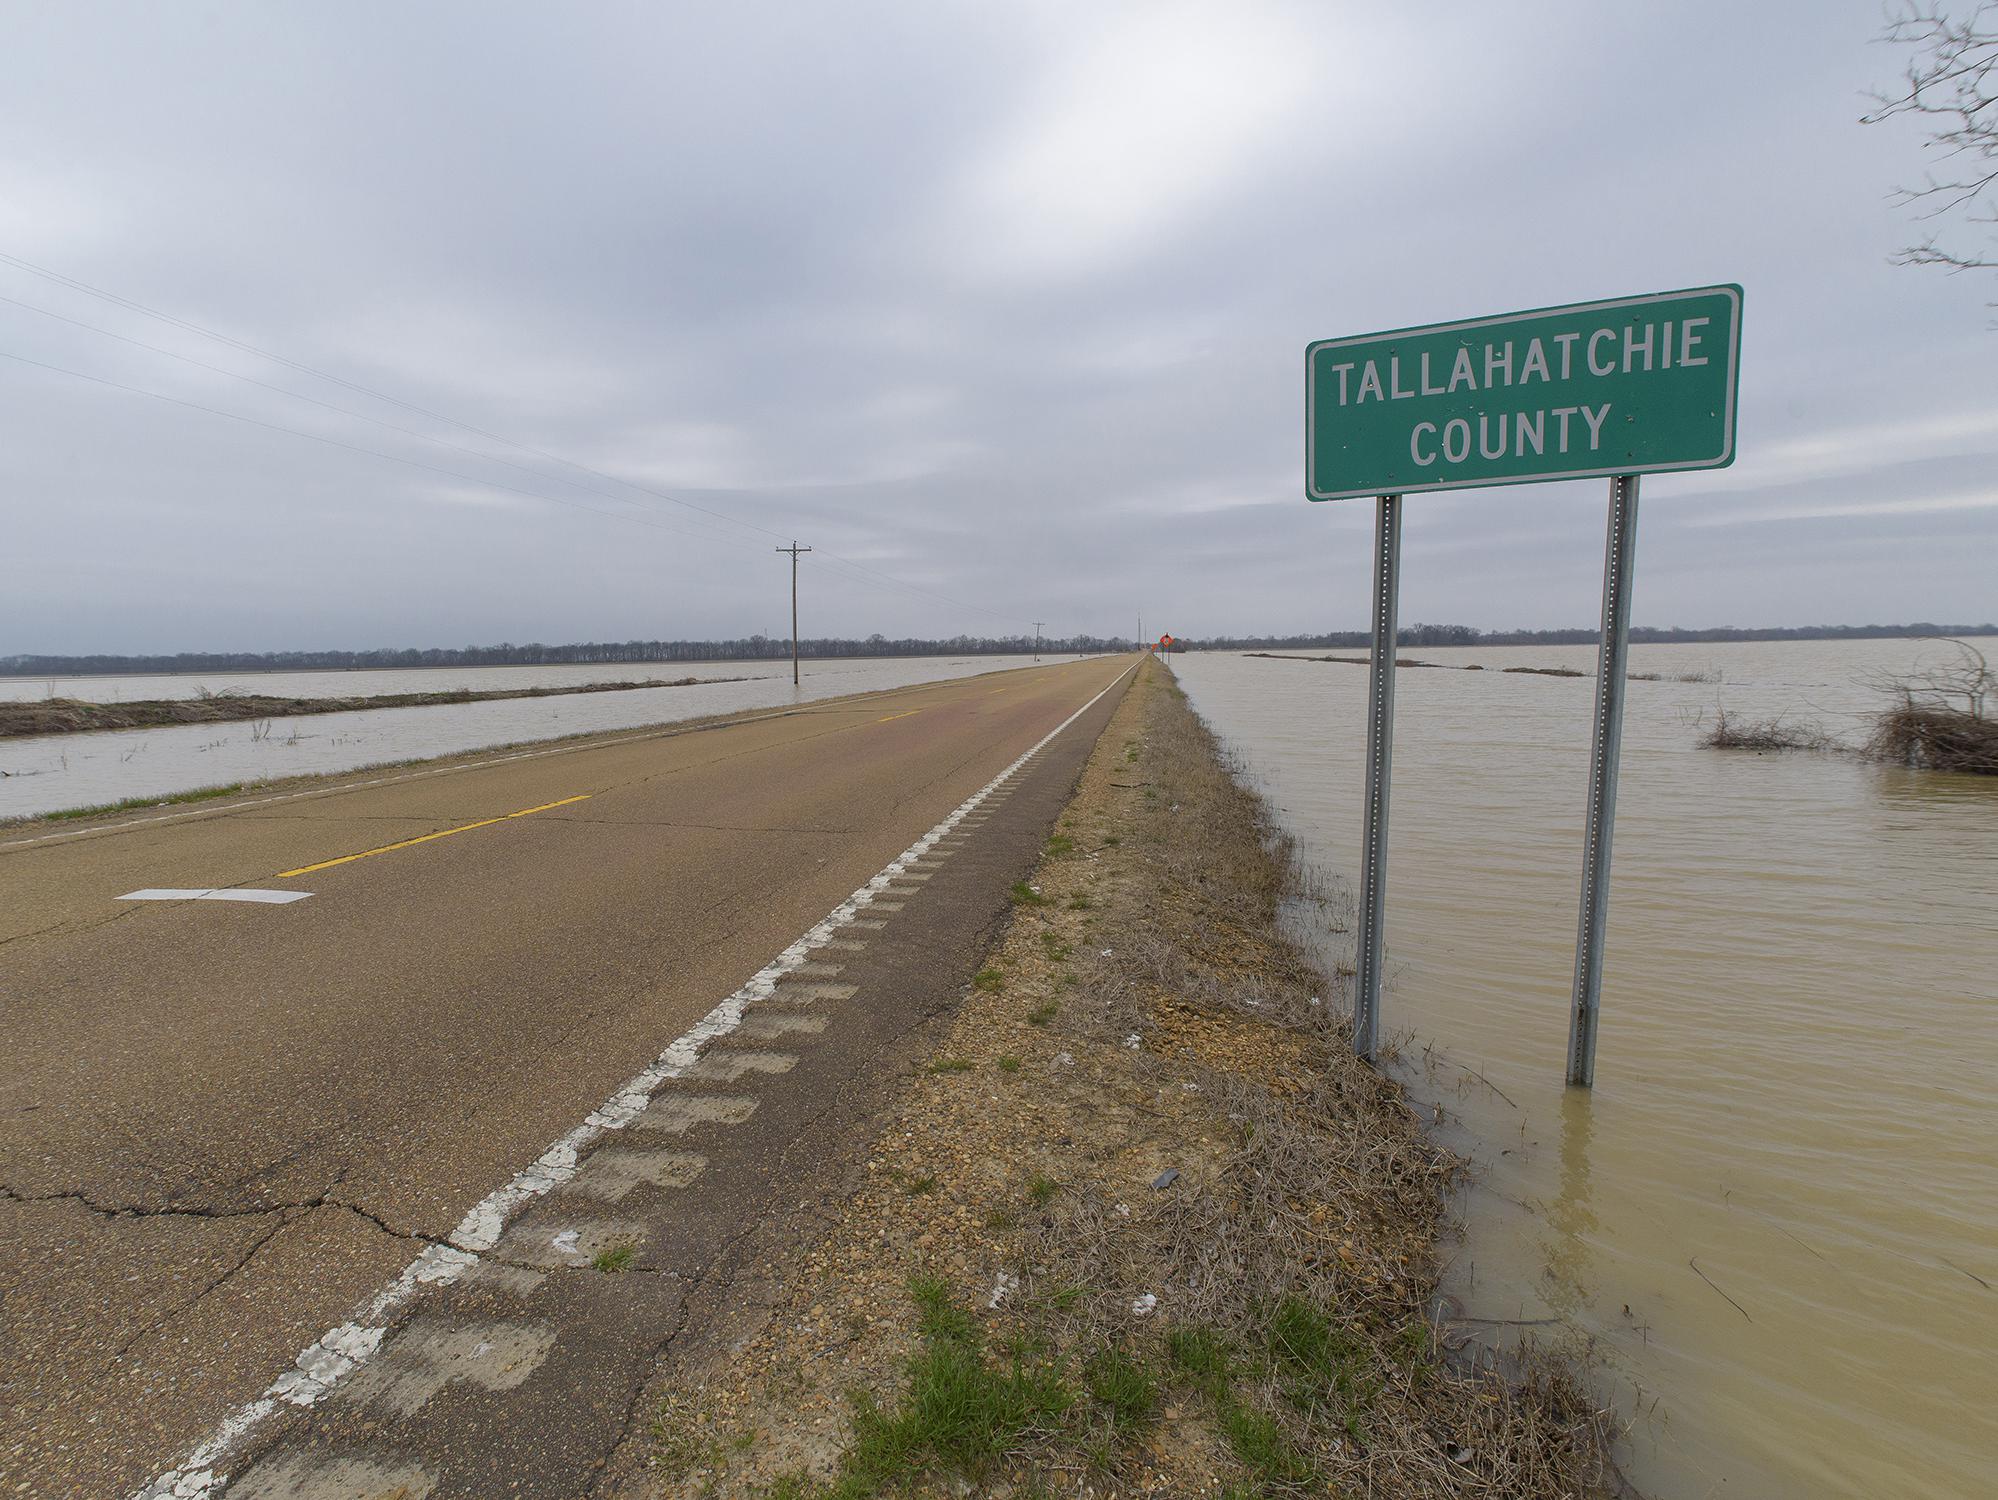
(53, 772)
(1776, 1216)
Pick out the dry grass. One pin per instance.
(1322, 1207)
(1207, 1263)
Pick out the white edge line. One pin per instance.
(340, 1351)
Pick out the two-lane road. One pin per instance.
(225, 1120)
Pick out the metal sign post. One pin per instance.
(1612, 674)
(1630, 386)
(1380, 752)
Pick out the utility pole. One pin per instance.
(794, 549)
(1037, 638)
(1141, 630)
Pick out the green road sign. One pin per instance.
(1638, 385)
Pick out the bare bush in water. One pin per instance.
(1939, 720)
(1732, 732)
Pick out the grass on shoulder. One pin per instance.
(973, 1404)
(963, 1411)
(132, 804)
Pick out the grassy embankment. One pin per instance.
(75, 716)
(1143, 1225)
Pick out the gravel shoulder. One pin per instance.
(1139, 1225)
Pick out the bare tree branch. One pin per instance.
(1949, 87)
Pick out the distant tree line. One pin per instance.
(1470, 635)
(778, 648)
(506, 654)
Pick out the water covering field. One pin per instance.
(54, 772)
(1775, 1220)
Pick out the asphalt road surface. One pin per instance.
(259, 1054)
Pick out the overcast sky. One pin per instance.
(1006, 302)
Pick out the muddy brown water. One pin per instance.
(1775, 1220)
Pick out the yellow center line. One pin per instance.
(442, 833)
(892, 717)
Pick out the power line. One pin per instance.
(261, 353)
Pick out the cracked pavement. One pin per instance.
(223, 1126)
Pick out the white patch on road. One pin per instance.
(337, 1353)
(615, 1171)
(229, 893)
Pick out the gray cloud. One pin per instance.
(1006, 302)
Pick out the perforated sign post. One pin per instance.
(1636, 385)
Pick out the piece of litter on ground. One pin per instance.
(1166, 1178)
(1134, 1041)
(1006, 1283)
(1064, 1060)
(566, 1242)
(1314, 999)
(1122, 1210)
(1144, 1305)
(1108, 951)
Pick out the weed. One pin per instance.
(1261, 1445)
(1009, 1064)
(1025, 895)
(1056, 949)
(1079, 902)
(1128, 1388)
(1060, 845)
(951, 1065)
(1042, 1190)
(917, 1187)
(988, 980)
(1111, 840)
(961, 1410)
(681, 1442)
(1201, 1355)
(200, 794)
(1415, 1345)
(999, 1221)
(615, 1257)
(1040, 1015)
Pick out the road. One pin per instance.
(228, 1122)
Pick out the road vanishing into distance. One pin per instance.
(372, 1069)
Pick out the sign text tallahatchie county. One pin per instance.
(1637, 385)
